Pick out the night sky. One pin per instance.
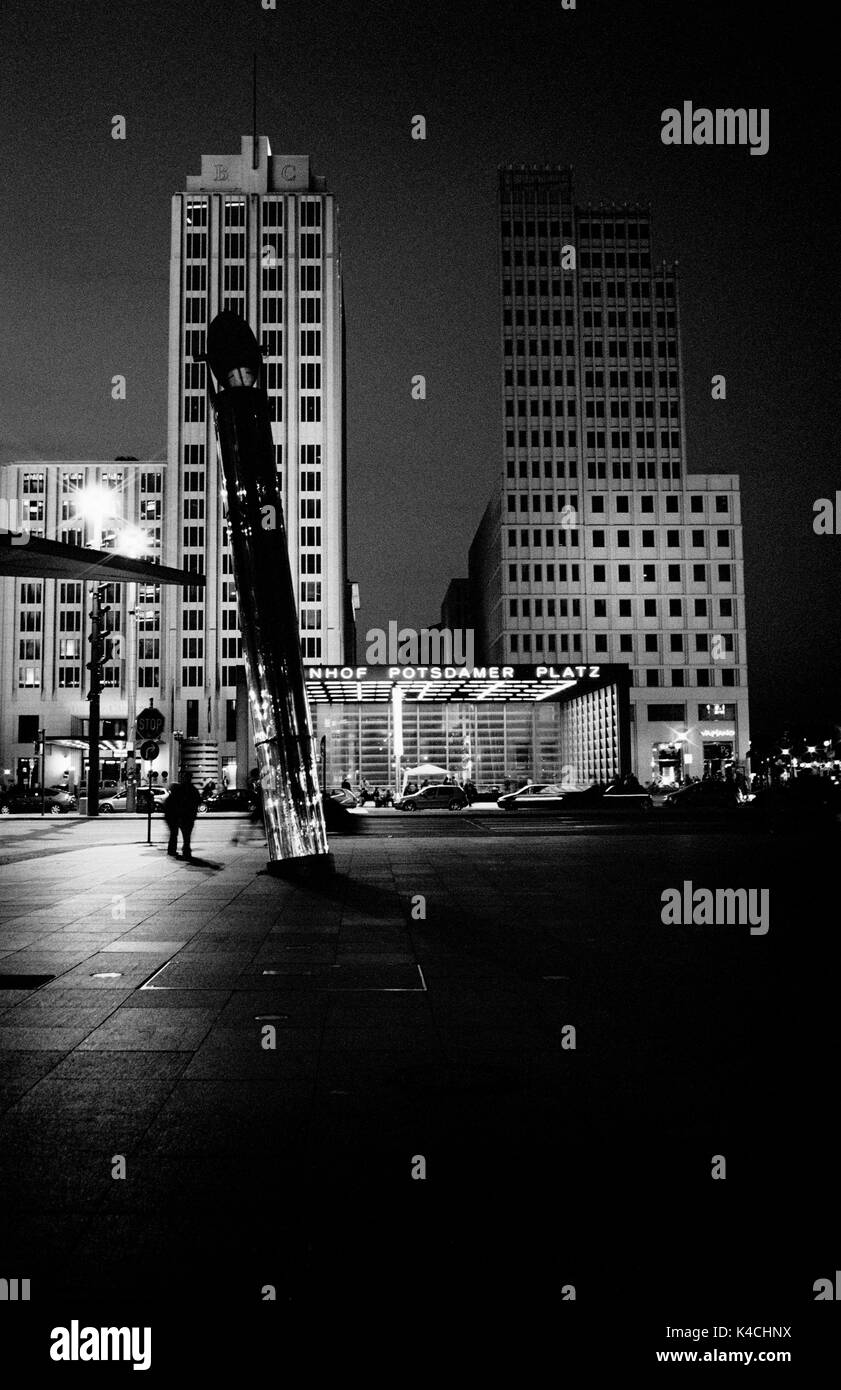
(85, 251)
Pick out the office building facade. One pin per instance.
(45, 623)
(256, 234)
(597, 546)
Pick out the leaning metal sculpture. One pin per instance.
(292, 805)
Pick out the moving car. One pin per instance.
(443, 796)
(342, 797)
(232, 799)
(702, 796)
(561, 798)
(57, 801)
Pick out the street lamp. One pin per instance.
(97, 505)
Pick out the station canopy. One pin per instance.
(39, 558)
(471, 684)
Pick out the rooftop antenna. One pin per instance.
(255, 158)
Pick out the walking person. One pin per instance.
(180, 810)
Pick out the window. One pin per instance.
(675, 642)
(724, 574)
(725, 607)
(672, 504)
(648, 539)
(673, 538)
(623, 539)
(699, 574)
(722, 504)
(624, 574)
(649, 608)
(716, 711)
(598, 539)
(675, 608)
(600, 608)
(700, 608)
(601, 642)
(651, 641)
(598, 574)
(626, 642)
(667, 714)
(696, 504)
(624, 608)
(652, 678)
(702, 642)
(722, 538)
(648, 574)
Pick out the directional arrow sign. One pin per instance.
(149, 751)
(149, 723)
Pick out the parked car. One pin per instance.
(232, 799)
(57, 801)
(442, 796)
(118, 801)
(561, 798)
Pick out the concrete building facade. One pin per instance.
(257, 234)
(596, 544)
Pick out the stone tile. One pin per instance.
(119, 1068)
(298, 1009)
(140, 947)
(211, 1000)
(61, 1015)
(156, 1030)
(42, 1039)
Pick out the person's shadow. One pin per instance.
(194, 862)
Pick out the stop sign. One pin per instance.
(149, 723)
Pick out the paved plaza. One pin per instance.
(229, 1080)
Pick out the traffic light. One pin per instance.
(101, 646)
(39, 742)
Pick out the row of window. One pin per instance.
(555, 607)
(545, 574)
(543, 226)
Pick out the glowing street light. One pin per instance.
(96, 504)
(133, 541)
